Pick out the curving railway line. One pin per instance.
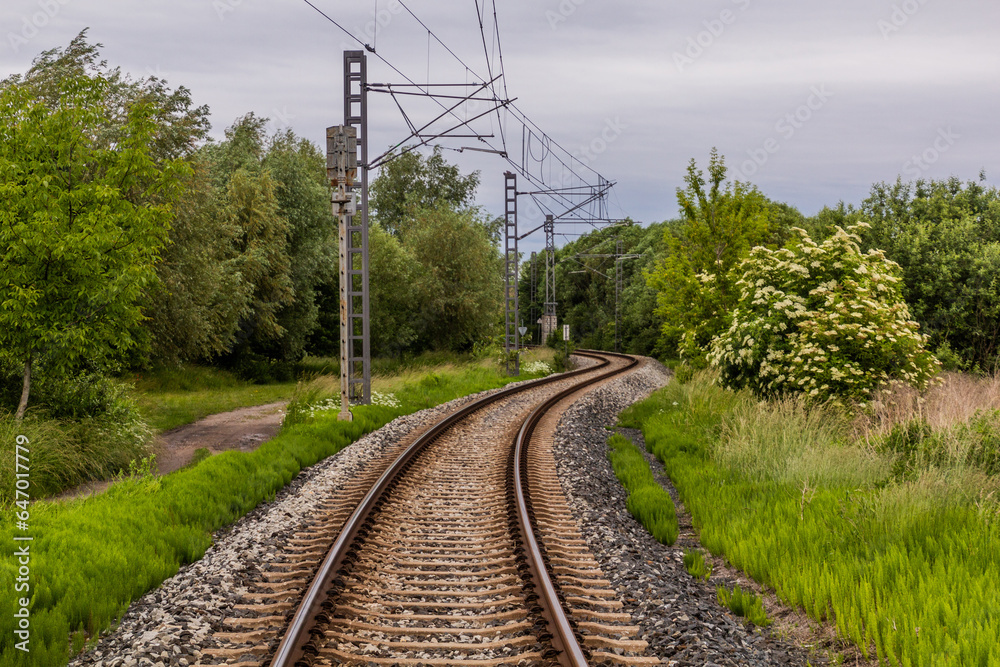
(458, 547)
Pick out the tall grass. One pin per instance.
(696, 565)
(746, 604)
(812, 505)
(647, 501)
(91, 557)
(67, 451)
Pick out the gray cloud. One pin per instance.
(899, 73)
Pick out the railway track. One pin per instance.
(457, 548)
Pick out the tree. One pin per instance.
(696, 279)
(303, 196)
(395, 275)
(585, 277)
(461, 282)
(411, 182)
(194, 309)
(180, 126)
(946, 237)
(84, 215)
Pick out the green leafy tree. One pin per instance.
(586, 275)
(180, 126)
(824, 320)
(411, 182)
(303, 196)
(946, 237)
(194, 309)
(395, 275)
(696, 279)
(460, 286)
(825, 223)
(84, 214)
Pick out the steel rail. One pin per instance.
(565, 639)
(297, 641)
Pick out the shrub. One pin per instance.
(823, 320)
(85, 427)
(67, 453)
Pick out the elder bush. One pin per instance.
(822, 320)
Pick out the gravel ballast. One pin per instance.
(173, 624)
(679, 616)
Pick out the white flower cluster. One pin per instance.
(387, 400)
(533, 367)
(325, 406)
(837, 329)
(378, 398)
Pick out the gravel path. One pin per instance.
(679, 615)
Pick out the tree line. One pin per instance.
(129, 238)
(681, 293)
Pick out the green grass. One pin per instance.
(91, 557)
(647, 501)
(173, 397)
(68, 451)
(745, 604)
(904, 566)
(696, 565)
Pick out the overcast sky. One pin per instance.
(811, 101)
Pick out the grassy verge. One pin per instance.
(173, 397)
(86, 428)
(902, 559)
(91, 557)
(647, 501)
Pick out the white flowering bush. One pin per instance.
(533, 367)
(823, 320)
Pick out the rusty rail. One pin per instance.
(297, 641)
(565, 639)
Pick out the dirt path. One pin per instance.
(244, 430)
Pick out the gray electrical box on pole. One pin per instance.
(342, 170)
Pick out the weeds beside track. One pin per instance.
(904, 568)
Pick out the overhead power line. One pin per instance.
(560, 180)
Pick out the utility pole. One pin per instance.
(618, 285)
(342, 169)
(511, 315)
(533, 293)
(356, 316)
(549, 320)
